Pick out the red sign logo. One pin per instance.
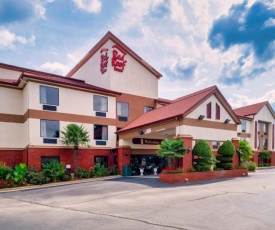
(103, 60)
(118, 61)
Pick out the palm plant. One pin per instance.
(245, 151)
(171, 149)
(75, 135)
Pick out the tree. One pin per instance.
(171, 149)
(226, 150)
(205, 157)
(75, 135)
(245, 151)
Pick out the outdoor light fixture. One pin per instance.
(189, 150)
(126, 154)
(201, 117)
(227, 121)
(140, 132)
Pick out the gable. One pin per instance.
(9, 74)
(264, 115)
(202, 110)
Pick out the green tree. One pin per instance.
(226, 150)
(205, 157)
(171, 149)
(75, 135)
(245, 151)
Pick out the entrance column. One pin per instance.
(187, 161)
(256, 157)
(236, 157)
(123, 157)
(272, 158)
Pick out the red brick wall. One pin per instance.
(272, 158)
(236, 157)
(11, 157)
(255, 157)
(123, 157)
(187, 161)
(85, 156)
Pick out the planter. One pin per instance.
(201, 176)
(141, 171)
(155, 171)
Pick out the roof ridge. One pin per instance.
(263, 102)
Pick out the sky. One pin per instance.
(194, 44)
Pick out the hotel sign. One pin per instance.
(143, 141)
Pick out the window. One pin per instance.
(218, 112)
(102, 160)
(265, 144)
(259, 127)
(100, 132)
(215, 144)
(265, 129)
(258, 143)
(147, 109)
(208, 110)
(122, 109)
(49, 95)
(49, 128)
(243, 126)
(46, 160)
(100, 103)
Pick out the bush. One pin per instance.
(54, 170)
(66, 177)
(251, 166)
(245, 151)
(113, 171)
(265, 155)
(173, 171)
(205, 157)
(20, 174)
(37, 178)
(226, 150)
(5, 172)
(192, 169)
(82, 173)
(100, 170)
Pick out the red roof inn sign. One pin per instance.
(146, 141)
(118, 61)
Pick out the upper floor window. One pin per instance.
(265, 129)
(49, 128)
(100, 103)
(218, 112)
(49, 95)
(148, 108)
(208, 110)
(122, 109)
(243, 126)
(215, 144)
(265, 144)
(100, 132)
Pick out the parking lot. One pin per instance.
(144, 203)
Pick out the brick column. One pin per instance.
(256, 157)
(187, 161)
(123, 157)
(236, 157)
(272, 158)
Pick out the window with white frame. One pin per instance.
(122, 109)
(265, 128)
(49, 128)
(243, 126)
(100, 103)
(265, 144)
(100, 132)
(49, 95)
(215, 144)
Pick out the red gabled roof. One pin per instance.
(180, 108)
(252, 109)
(110, 36)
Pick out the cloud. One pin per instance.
(91, 6)
(55, 68)
(245, 24)
(182, 68)
(9, 40)
(14, 10)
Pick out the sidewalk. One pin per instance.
(55, 184)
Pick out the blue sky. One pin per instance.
(193, 43)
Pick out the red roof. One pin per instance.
(58, 80)
(252, 109)
(110, 36)
(180, 108)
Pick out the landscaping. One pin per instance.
(21, 175)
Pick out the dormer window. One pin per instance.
(218, 112)
(208, 110)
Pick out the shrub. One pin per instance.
(37, 178)
(173, 171)
(82, 173)
(226, 150)
(100, 170)
(192, 169)
(205, 157)
(113, 171)
(245, 151)
(20, 174)
(260, 164)
(66, 177)
(54, 170)
(251, 166)
(5, 172)
(265, 155)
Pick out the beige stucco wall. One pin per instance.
(9, 74)
(135, 79)
(128, 142)
(249, 126)
(201, 110)
(35, 138)
(11, 101)
(11, 135)
(71, 101)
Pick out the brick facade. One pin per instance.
(11, 157)
(123, 157)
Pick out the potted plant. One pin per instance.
(141, 169)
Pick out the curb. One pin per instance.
(263, 168)
(56, 184)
